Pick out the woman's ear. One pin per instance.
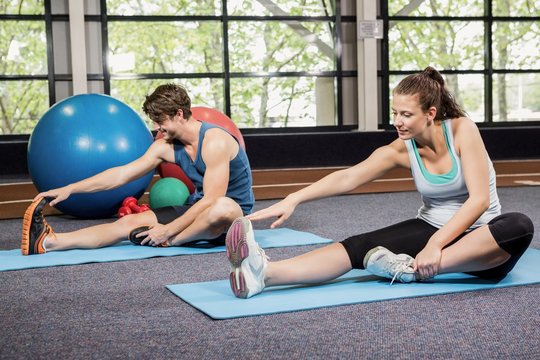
(432, 113)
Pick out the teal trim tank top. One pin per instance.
(240, 180)
(444, 194)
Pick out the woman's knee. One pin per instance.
(512, 231)
(357, 247)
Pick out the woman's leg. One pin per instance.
(316, 266)
(334, 260)
(476, 251)
(491, 250)
(251, 272)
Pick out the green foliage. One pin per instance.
(22, 52)
(22, 7)
(436, 8)
(161, 7)
(262, 47)
(460, 45)
(22, 103)
(197, 47)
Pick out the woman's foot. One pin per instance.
(248, 261)
(382, 262)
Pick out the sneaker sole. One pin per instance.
(237, 251)
(27, 222)
(133, 234)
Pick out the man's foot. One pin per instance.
(35, 229)
(137, 241)
(248, 260)
(382, 262)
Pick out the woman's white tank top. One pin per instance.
(443, 195)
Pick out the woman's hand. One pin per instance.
(282, 210)
(427, 262)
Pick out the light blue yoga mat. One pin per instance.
(216, 299)
(14, 260)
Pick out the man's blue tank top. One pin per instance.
(240, 180)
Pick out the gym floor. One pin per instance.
(123, 310)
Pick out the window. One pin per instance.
(268, 63)
(272, 65)
(24, 93)
(488, 52)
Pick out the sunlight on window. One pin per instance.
(122, 62)
(14, 51)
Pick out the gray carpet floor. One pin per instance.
(123, 310)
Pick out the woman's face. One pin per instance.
(409, 119)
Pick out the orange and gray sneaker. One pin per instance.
(35, 229)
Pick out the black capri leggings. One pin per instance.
(512, 231)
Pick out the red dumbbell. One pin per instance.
(144, 207)
(123, 211)
(130, 205)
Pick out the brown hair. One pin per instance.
(431, 90)
(167, 100)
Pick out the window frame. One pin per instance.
(488, 72)
(226, 75)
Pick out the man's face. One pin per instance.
(166, 127)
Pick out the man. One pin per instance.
(210, 156)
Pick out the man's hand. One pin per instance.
(56, 195)
(155, 236)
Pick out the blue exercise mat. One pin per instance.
(14, 260)
(216, 299)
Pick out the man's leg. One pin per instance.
(101, 235)
(38, 236)
(211, 223)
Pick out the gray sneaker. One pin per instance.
(248, 261)
(382, 262)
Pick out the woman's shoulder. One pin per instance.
(463, 124)
(465, 132)
(397, 150)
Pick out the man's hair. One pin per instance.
(167, 99)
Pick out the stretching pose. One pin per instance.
(459, 227)
(208, 155)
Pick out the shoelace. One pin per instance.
(398, 267)
(263, 254)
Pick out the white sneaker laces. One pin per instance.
(399, 267)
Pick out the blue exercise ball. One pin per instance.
(81, 136)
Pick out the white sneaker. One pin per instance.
(248, 260)
(382, 262)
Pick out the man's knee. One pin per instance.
(224, 210)
(135, 220)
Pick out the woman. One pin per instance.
(459, 227)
